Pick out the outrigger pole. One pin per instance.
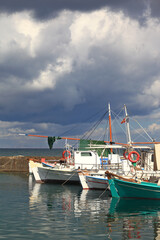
(68, 138)
(32, 135)
(78, 139)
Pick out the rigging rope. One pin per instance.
(105, 132)
(143, 129)
(94, 126)
(86, 120)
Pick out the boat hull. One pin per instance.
(46, 175)
(143, 190)
(97, 182)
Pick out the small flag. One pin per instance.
(123, 121)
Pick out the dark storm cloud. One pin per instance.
(49, 8)
(155, 8)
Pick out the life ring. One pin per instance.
(130, 159)
(63, 154)
(124, 155)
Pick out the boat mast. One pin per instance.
(110, 126)
(127, 126)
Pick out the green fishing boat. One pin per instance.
(129, 188)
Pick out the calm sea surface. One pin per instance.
(29, 210)
(30, 151)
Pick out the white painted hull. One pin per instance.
(47, 174)
(96, 182)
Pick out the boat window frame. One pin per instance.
(86, 154)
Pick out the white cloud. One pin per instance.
(154, 127)
(150, 94)
(48, 77)
(20, 32)
(19, 130)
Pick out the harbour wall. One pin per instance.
(19, 163)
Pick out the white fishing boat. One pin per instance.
(68, 172)
(93, 181)
(61, 175)
(97, 182)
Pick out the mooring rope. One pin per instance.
(103, 192)
(69, 178)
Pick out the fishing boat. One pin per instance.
(60, 175)
(93, 180)
(79, 161)
(97, 182)
(129, 188)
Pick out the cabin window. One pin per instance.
(86, 154)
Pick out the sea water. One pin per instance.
(29, 210)
(31, 152)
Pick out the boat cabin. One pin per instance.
(91, 160)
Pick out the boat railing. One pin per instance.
(115, 166)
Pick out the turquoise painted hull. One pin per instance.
(143, 190)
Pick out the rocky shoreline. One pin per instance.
(19, 163)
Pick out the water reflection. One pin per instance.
(76, 211)
(71, 198)
(134, 207)
(91, 213)
(137, 217)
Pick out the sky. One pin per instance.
(63, 61)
